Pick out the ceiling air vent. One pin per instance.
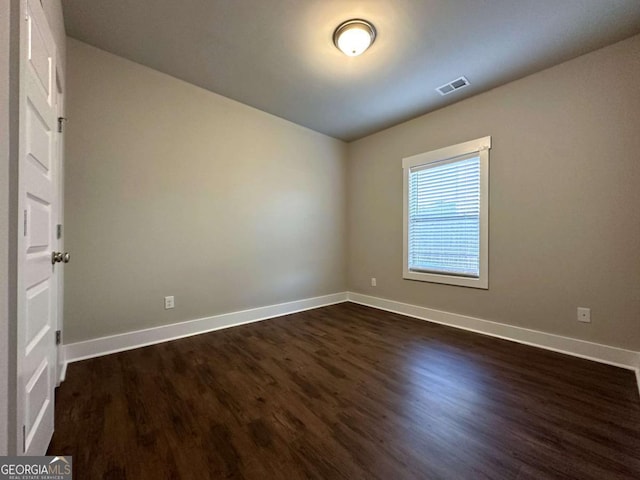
(457, 84)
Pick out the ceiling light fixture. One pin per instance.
(353, 37)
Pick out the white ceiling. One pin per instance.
(278, 55)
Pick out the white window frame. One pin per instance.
(480, 146)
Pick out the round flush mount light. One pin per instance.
(353, 37)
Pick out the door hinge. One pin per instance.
(61, 121)
(59, 231)
(25, 223)
(24, 439)
(58, 337)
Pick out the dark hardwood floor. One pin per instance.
(347, 392)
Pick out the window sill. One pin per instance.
(482, 282)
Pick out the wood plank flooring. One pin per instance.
(347, 392)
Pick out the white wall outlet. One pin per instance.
(584, 314)
(169, 302)
(373, 282)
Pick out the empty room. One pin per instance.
(323, 239)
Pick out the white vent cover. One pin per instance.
(452, 86)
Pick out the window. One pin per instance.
(446, 208)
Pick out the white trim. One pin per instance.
(63, 368)
(464, 148)
(140, 338)
(481, 147)
(617, 357)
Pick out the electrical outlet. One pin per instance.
(373, 282)
(584, 314)
(169, 302)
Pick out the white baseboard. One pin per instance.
(141, 338)
(127, 341)
(578, 348)
(63, 372)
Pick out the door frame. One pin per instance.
(6, 252)
(10, 141)
(60, 146)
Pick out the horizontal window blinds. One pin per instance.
(444, 217)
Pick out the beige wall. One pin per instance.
(173, 190)
(565, 193)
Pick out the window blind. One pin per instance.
(444, 217)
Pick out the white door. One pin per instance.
(38, 190)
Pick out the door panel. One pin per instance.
(38, 406)
(39, 270)
(40, 184)
(38, 221)
(39, 137)
(37, 296)
(40, 48)
(38, 311)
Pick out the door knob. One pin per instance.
(57, 257)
